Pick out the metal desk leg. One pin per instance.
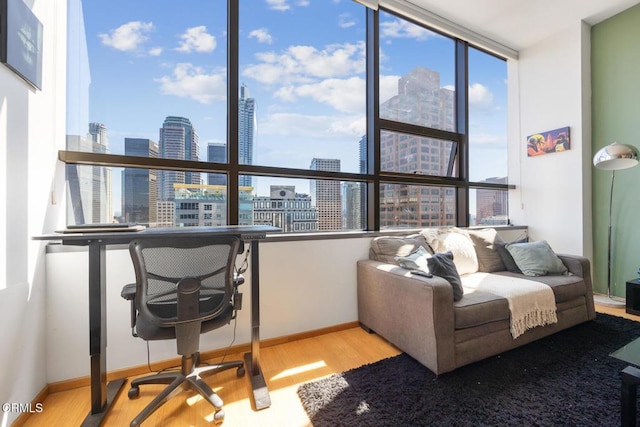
(630, 381)
(102, 396)
(261, 396)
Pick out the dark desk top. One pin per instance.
(245, 232)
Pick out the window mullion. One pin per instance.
(233, 28)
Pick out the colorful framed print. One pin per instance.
(551, 141)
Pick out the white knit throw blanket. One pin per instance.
(531, 303)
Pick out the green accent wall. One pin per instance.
(615, 68)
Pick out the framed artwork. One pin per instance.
(551, 141)
(21, 41)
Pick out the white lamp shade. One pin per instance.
(616, 156)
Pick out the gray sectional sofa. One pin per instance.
(419, 316)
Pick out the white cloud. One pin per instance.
(345, 21)
(388, 87)
(278, 4)
(261, 35)
(189, 81)
(398, 28)
(197, 39)
(304, 126)
(303, 64)
(155, 51)
(480, 96)
(127, 37)
(344, 95)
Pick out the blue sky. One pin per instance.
(302, 60)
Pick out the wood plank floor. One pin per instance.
(285, 366)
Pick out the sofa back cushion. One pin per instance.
(388, 248)
(456, 241)
(485, 242)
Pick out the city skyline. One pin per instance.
(304, 63)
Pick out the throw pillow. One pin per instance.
(456, 241)
(415, 261)
(441, 264)
(484, 242)
(387, 248)
(536, 258)
(506, 257)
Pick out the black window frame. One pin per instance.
(374, 176)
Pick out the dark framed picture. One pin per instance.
(552, 141)
(21, 41)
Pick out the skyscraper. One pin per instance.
(217, 153)
(90, 188)
(284, 208)
(178, 140)
(326, 195)
(492, 205)
(421, 101)
(247, 128)
(139, 186)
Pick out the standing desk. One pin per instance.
(103, 394)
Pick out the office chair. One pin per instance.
(184, 287)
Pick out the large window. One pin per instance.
(262, 112)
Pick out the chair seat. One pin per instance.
(151, 331)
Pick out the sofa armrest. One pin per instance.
(581, 267)
(577, 264)
(413, 312)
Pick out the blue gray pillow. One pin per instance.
(536, 259)
(441, 264)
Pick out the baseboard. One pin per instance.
(23, 417)
(205, 355)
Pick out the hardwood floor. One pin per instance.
(285, 367)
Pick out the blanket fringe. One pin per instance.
(531, 319)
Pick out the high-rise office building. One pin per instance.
(492, 205)
(139, 186)
(206, 205)
(247, 128)
(284, 208)
(90, 188)
(326, 195)
(102, 200)
(421, 101)
(178, 140)
(217, 153)
(352, 217)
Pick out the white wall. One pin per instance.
(31, 132)
(553, 196)
(304, 285)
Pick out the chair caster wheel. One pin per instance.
(240, 372)
(133, 392)
(218, 417)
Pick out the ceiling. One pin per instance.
(519, 24)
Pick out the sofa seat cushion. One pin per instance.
(478, 308)
(565, 288)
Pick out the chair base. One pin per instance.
(190, 377)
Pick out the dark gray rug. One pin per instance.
(567, 379)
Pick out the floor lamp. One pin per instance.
(613, 157)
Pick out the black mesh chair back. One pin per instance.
(161, 265)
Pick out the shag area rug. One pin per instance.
(567, 379)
